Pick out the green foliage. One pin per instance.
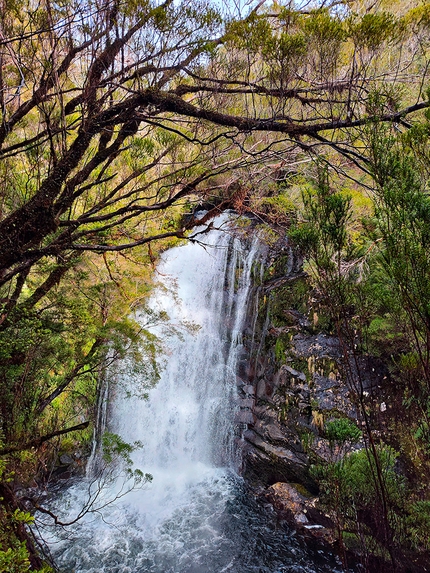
(115, 447)
(285, 48)
(280, 351)
(15, 560)
(380, 328)
(341, 431)
(348, 488)
(324, 27)
(418, 16)
(277, 69)
(22, 517)
(280, 208)
(327, 213)
(326, 34)
(373, 29)
(283, 54)
(402, 217)
(422, 432)
(14, 557)
(376, 290)
(307, 439)
(418, 523)
(323, 237)
(252, 33)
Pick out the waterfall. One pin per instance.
(195, 516)
(186, 426)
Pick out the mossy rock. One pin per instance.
(294, 296)
(282, 345)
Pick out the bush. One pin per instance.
(341, 431)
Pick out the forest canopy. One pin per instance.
(119, 116)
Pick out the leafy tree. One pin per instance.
(127, 83)
(325, 239)
(381, 281)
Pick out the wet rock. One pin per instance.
(267, 463)
(287, 499)
(293, 317)
(260, 368)
(245, 403)
(300, 519)
(66, 460)
(248, 390)
(297, 506)
(66, 475)
(293, 402)
(325, 535)
(321, 447)
(244, 417)
(243, 369)
(264, 389)
(291, 405)
(69, 465)
(300, 375)
(319, 345)
(274, 433)
(333, 395)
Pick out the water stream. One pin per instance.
(196, 515)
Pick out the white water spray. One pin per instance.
(186, 426)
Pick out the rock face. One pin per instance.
(292, 403)
(294, 506)
(69, 466)
(289, 388)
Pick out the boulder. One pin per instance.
(287, 499)
(297, 506)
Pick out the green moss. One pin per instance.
(281, 346)
(301, 365)
(351, 541)
(302, 490)
(293, 296)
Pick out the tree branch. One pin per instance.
(37, 442)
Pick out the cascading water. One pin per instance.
(195, 516)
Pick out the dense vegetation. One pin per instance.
(372, 288)
(117, 117)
